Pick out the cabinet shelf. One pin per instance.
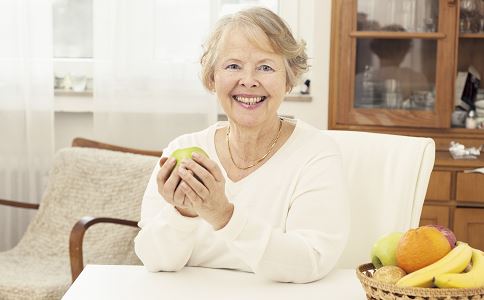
(471, 35)
(398, 35)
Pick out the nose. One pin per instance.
(249, 79)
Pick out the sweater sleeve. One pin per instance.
(166, 239)
(317, 227)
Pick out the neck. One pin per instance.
(250, 143)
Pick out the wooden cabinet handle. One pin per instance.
(451, 2)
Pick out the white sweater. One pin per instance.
(290, 221)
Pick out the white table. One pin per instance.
(135, 282)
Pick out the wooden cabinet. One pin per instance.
(394, 65)
(440, 188)
(469, 226)
(433, 214)
(470, 188)
(455, 199)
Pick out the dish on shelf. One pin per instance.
(479, 104)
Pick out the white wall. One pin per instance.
(314, 26)
(312, 22)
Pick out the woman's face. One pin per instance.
(250, 83)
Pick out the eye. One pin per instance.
(265, 68)
(232, 67)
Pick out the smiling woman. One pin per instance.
(270, 197)
(250, 83)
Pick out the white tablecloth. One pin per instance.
(135, 282)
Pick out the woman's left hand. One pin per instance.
(205, 188)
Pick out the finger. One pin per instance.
(163, 160)
(205, 177)
(179, 197)
(170, 185)
(194, 200)
(187, 201)
(210, 165)
(189, 178)
(165, 170)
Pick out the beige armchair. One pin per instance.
(387, 178)
(90, 183)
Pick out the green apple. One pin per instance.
(384, 250)
(183, 153)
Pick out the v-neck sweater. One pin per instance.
(290, 221)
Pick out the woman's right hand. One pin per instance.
(168, 182)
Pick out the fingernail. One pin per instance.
(195, 155)
(172, 160)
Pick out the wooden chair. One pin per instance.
(101, 171)
(79, 229)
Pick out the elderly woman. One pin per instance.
(270, 199)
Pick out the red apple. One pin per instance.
(447, 233)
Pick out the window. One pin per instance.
(72, 28)
(73, 35)
(73, 45)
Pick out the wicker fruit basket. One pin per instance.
(376, 290)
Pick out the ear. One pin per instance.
(211, 83)
(288, 86)
(211, 87)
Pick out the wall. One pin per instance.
(314, 26)
(312, 23)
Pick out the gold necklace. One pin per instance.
(260, 159)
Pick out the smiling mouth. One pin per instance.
(249, 100)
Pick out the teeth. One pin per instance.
(249, 100)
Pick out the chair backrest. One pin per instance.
(387, 177)
(90, 182)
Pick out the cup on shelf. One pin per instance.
(479, 104)
(58, 82)
(392, 95)
(429, 25)
(422, 99)
(67, 82)
(78, 83)
(89, 84)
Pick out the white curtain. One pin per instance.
(147, 88)
(26, 109)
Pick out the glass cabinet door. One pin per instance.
(470, 65)
(406, 15)
(471, 17)
(396, 73)
(398, 47)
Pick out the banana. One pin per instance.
(472, 279)
(454, 262)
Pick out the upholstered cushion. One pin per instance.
(82, 182)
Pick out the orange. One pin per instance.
(421, 247)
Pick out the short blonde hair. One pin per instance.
(255, 23)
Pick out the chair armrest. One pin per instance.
(87, 143)
(77, 236)
(19, 204)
